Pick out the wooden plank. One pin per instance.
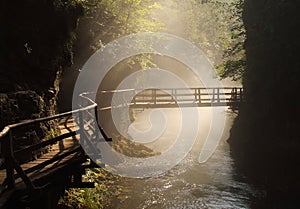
(54, 149)
(46, 143)
(32, 167)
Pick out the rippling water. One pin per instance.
(214, 184)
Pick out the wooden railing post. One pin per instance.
(234, 95)
(12, 164)
(218, 95)
(241, 95)
(199, 96)
(134, 99)
(154, 96)
(81, 127)
(96, 123)
(172, 95)
(7, 150)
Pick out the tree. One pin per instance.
(217, 28)
(234, 58)
(110, 19)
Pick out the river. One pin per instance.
(214, 184)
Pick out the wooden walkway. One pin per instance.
(57, 157)
(53, 151)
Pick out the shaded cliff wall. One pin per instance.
(265, 139)
(36, 43)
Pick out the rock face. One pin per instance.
(24, 105)
(21, 105)
(35, 45)
(265, 139)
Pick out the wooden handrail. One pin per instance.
(7, 128)
(167, 89)
(46, 143)
(6, 138)
(200, 95)
(4, 132)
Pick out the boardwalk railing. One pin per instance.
(174, 97)
(16, 170)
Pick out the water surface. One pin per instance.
(214, 184)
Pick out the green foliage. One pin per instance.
(233, 69)
(132, 16)
(52, 133)
(214, 26)
(234, 57)
(131, 149)
(208, 27)
(97, 198)
(110, 19)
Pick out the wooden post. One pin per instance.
(154, 96)
(22, 174)
(241, 95)
(134, 99)
(172, 96)
(234, 96)
(77, 177)
(11, 164)
(7, 150)
(199, 96)
(81, 127)
(96, 123)
(218, 96)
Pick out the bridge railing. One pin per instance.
(89, 127)
(169, 97)
(9, 151)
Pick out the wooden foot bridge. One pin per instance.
(177, 97)
(31, 174)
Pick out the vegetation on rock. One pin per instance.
(96, 198)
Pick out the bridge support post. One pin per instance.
(154, 96)
(196, 95)
(241, 95)
(81, 127)
(234, 95)
(96, 123)
(218, 96)
(7, 151)
(199, 95)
